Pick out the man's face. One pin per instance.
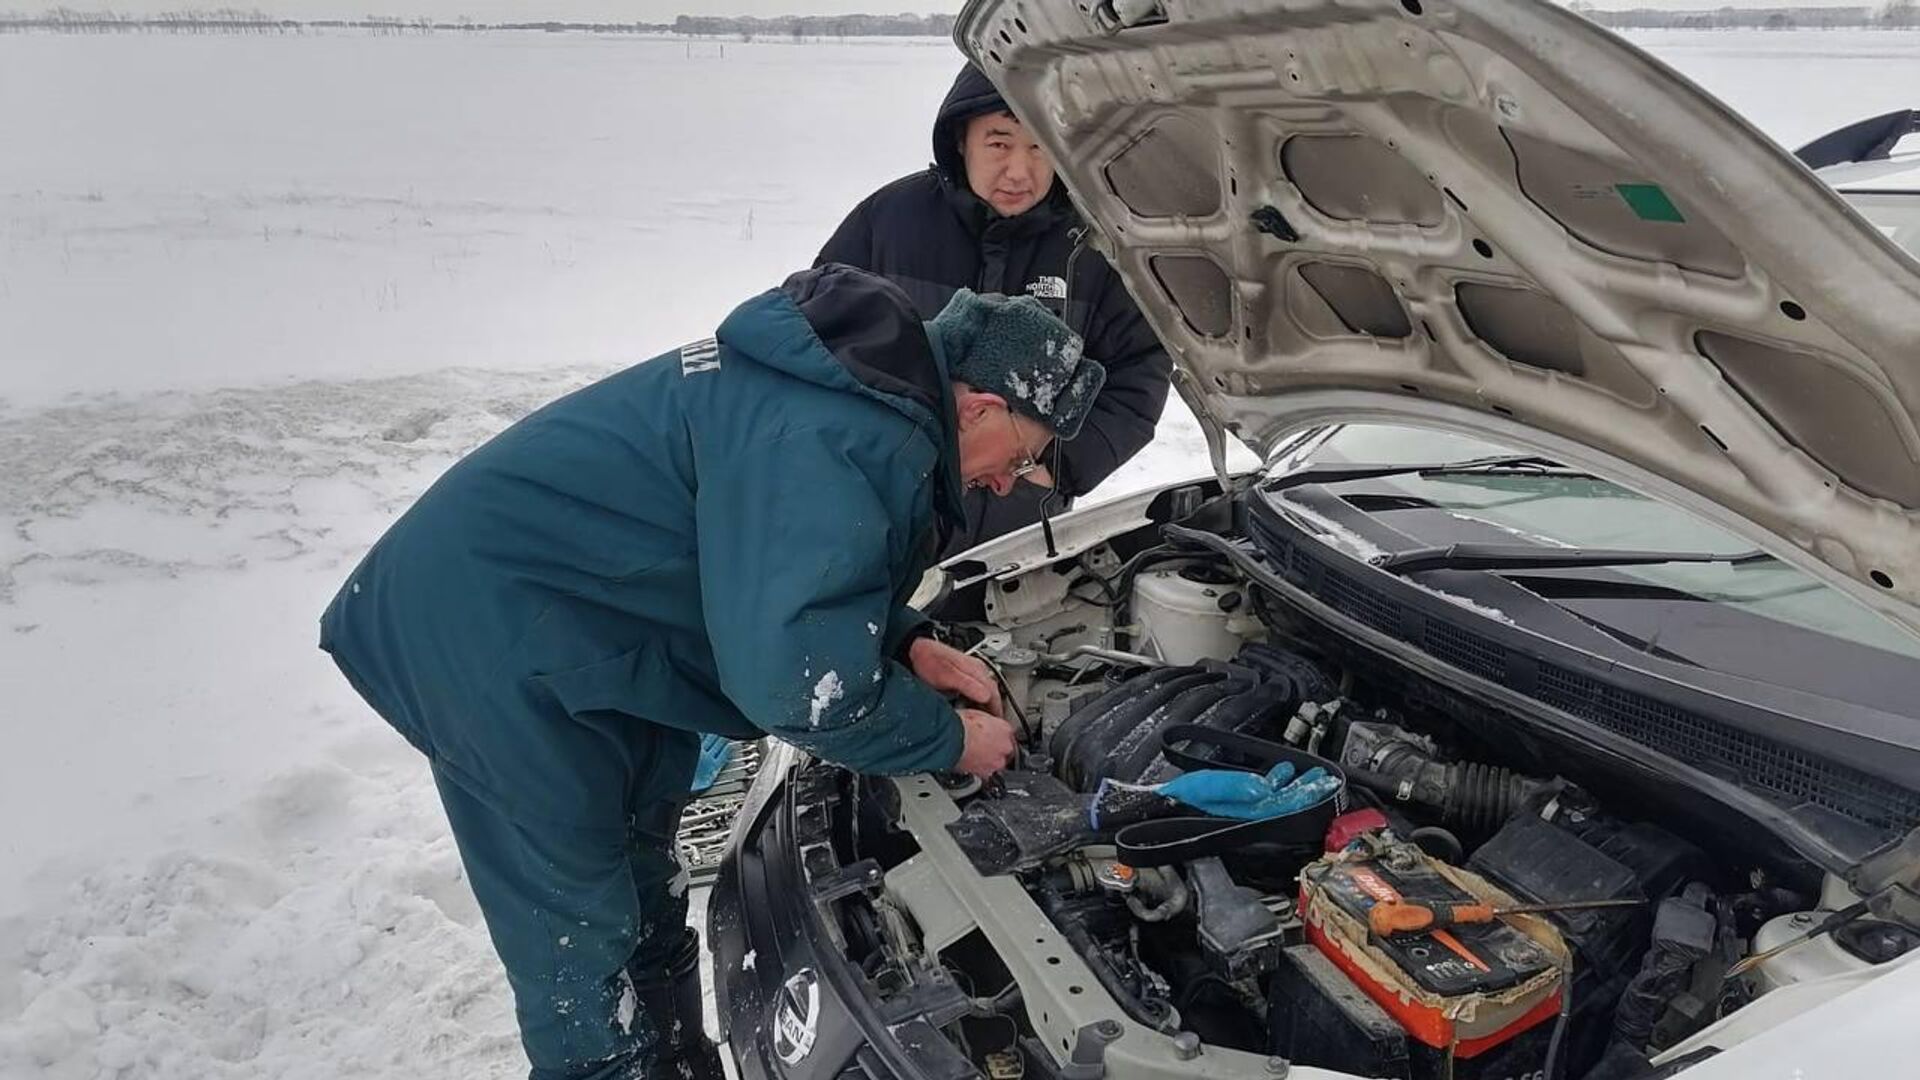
(997, 445)
(1005, 167)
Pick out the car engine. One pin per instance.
(1128, 667)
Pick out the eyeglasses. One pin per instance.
(1027, 463)
(1023, 465)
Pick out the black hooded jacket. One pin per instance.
(932, 235)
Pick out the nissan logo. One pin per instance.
(796, 1016)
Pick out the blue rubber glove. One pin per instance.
(1249, 796)
(715, 752)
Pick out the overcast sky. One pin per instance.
(665, 10)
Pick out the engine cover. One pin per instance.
(1117, 734)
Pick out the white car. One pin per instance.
(1866, 164)
(1586, 561)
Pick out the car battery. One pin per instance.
(1317, 1016)
(1473, 998)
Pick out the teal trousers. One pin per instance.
(590, 923)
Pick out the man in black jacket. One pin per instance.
(988, 216)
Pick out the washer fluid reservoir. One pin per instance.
(1186, 613)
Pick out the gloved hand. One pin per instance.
(715, 752)
(1247, 796)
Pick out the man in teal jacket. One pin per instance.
(718, 540)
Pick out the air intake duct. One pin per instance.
(1401, 767)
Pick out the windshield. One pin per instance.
(1560, 510)
(1896, 213)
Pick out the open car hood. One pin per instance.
(1495, 217)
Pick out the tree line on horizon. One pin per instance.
(253, 21)
(1891, 14)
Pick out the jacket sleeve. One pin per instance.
(1129, 405)
(852, 242)
(796, 547)
(905, 626)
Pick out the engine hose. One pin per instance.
(1083, 943)
(1476, 797)
(1439, 843)
(1165, 887)
(1305, 678)
(1482, 798)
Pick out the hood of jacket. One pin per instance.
(852, 331)
(971, 95)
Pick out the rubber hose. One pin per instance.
(1479, 798)
(1109, 980)
(1483, 797)
(1429, 837)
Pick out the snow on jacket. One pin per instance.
(720, 539)
(932, 235)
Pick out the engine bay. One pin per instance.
(1144, 659)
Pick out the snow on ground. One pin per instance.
(255, 293)
(219, 864)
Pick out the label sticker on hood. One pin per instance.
(1650, 203)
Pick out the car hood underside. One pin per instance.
(1495, 217)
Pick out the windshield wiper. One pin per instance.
(1500, 465)
(1530, 557)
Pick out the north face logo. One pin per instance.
(1047, 287)
(700, 356)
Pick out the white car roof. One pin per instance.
(1901, 172)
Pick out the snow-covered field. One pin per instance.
(254, 294)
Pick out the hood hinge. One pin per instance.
(1115, 15)
(1890, 880)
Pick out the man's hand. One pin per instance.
(989, 747)
(951, 671)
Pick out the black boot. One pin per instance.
(672, 998)
(699, 1058)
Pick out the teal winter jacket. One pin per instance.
(720, 539)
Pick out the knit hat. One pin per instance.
(1016, 348)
